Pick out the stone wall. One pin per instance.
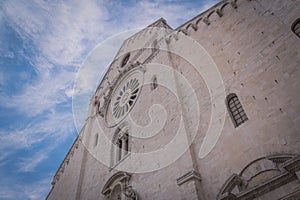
(256, 55)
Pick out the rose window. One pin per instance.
(125, 98)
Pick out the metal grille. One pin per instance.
(236, 110)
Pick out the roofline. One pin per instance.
(203, 13)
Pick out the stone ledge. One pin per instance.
(191, 175)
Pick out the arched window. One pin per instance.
(235, 109)
(296, 27)
(120, 145)
(153, 83)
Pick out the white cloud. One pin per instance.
(29, 164)
(60, 30)
(51, 127)
(43, 95)
(3, 157)
(32, 191)
(63, 32)
(60, 34)
(98, 61)
(140, 15)
(144, 13)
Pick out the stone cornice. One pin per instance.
(206, 15)
(287, 165)
(191, 175)
(67, 158)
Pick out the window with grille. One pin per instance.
(296, 27)
(236, 111)
(121, 146)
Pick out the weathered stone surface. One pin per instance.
(257, 56)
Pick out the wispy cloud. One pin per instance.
(32, 191)
(54, 126)
(64, 32)
(60, 30)
(29, 164)
(3, 157)
(48, 91)
(56, 37)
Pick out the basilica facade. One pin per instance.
(209, 110)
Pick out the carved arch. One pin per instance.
(119, 180)
(197, 22)
(212, 12)
(183, 31)
(223, 6)
(195, 28)
(188, 26)
(219, 12)
(273, 172)
(206, 21)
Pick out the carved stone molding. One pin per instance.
(219, 12)
(206, 21)
(126, 191)
(233, 4)
(194, 26)
(130, 193)
(284, 167)
(183, 31)
(191, 175)
(65, 162)
(292, 166)
(218, 9)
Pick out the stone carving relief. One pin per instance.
(130, 193)
(118, 188)
(261, 176)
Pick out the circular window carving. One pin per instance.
(125, 60)
(124, 97)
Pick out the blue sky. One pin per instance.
(43, 45)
